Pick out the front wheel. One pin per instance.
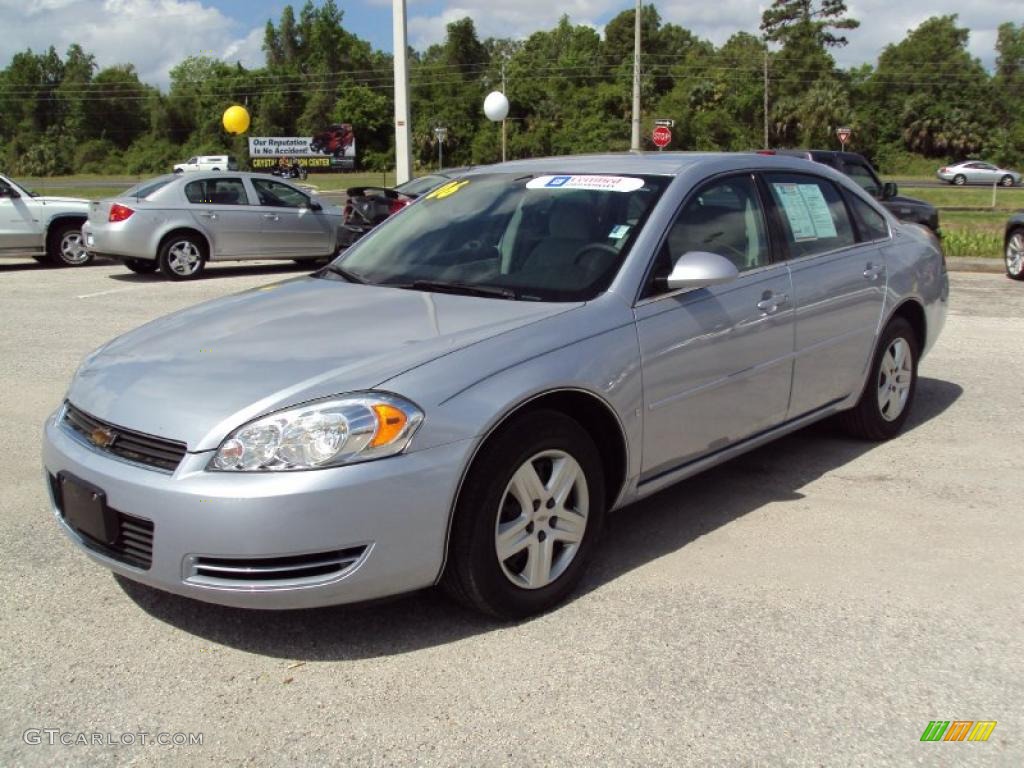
(182, 257)
(959, 179)
(141, 266)
(1006, 181)
(1015, 254)
(66, 246)
(527, 519)
(885, 403)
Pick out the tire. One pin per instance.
(1013, 256)
(871, 418)
(182, 256)
(959, 179)
(141, 266)
(65, 246)
(560, 536)
(215, 169)
(1006, 181)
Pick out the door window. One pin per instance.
(216, 192)
(279, 195)
(870, 222)
(865, 179)
(813, 216)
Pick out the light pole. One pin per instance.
(496, 109)
(440, 133)
(634, 143)
(403, 147)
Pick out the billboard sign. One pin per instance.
(332, 149)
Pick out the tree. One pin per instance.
(789, 21)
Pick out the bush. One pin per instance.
(148, 155)
(96, 156)
(972, 243)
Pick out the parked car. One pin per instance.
(861, 171)
(366, 207)
(1013, 246)
(207, 163)
(977, 172)
(178, 223)
(49, 229)
(463, 395)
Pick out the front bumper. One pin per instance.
(388, 518)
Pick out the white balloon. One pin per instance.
(496, 106)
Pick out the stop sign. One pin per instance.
(661, 136)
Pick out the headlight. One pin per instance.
(327, 433)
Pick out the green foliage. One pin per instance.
(969, 242)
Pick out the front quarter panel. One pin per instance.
(917, 271)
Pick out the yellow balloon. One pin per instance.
(236, 119)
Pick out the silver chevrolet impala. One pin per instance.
(463, 396)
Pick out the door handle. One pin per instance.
(270, 216)
(208, 215)
(872, 271)
(771, 302)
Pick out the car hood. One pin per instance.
(197, 374)
(47, 200)
(910, 202)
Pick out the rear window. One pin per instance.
(147, 188)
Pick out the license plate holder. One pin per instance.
(84, 507)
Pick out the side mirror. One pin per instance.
(699, 269)
(889, 190)
(315, 206)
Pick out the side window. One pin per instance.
(813, 215)
(864, 178)
(279, 195)
(870, 222)
(216, 192)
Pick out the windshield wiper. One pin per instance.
(467, 289)
(352, 277)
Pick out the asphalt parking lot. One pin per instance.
(816, 602)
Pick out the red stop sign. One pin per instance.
(661, 136)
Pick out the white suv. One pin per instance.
(207, 163)
(49, 229)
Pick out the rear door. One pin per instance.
(290, 227)
(838, 285)
(220, 206)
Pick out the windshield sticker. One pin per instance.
(446, 190)
(807, 211)
(593, 183)
(619, 231)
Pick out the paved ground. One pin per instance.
(814, 603)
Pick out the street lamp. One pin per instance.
(440, 134)
(496, 109)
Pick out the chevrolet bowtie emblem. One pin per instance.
(103, 437)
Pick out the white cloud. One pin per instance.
(154, 35)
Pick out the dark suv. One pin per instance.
(859, 169)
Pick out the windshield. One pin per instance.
(540, 238)
(417, 187)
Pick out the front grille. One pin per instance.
(134, 543)
(271, 571)
(127, 444)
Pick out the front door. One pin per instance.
(717, 361)
(291, 228)
(19, 229)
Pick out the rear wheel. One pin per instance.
(527, 519)
(1006, 181)
(959, 179)
(66, 246)
(889, 392)
(141, 266)
(182, 257)
(1015, 254)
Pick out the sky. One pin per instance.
(154, 35)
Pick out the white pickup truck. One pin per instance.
(49, 229)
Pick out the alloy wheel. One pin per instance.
(542, 517)
(1015, 255)
(72, 248)
(895, 375)
(184, 258)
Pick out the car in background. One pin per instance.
(207, 163)
(1013, 246)
(463, 396)
(861, 171)
(977, 172)
(177, 223)
(49, 229)
(366, 207)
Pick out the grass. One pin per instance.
(1010, 199)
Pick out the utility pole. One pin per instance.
(634, 143)
(403, 147)
(766, 94)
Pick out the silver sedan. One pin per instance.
(177, 223)
(462, 396)
(977, 172)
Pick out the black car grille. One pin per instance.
(134, 542)
(132, 446)
(267, 571)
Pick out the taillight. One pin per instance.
(766, 151)
(119, 212)
(943, 170)
(347, 213)
(395, 206)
